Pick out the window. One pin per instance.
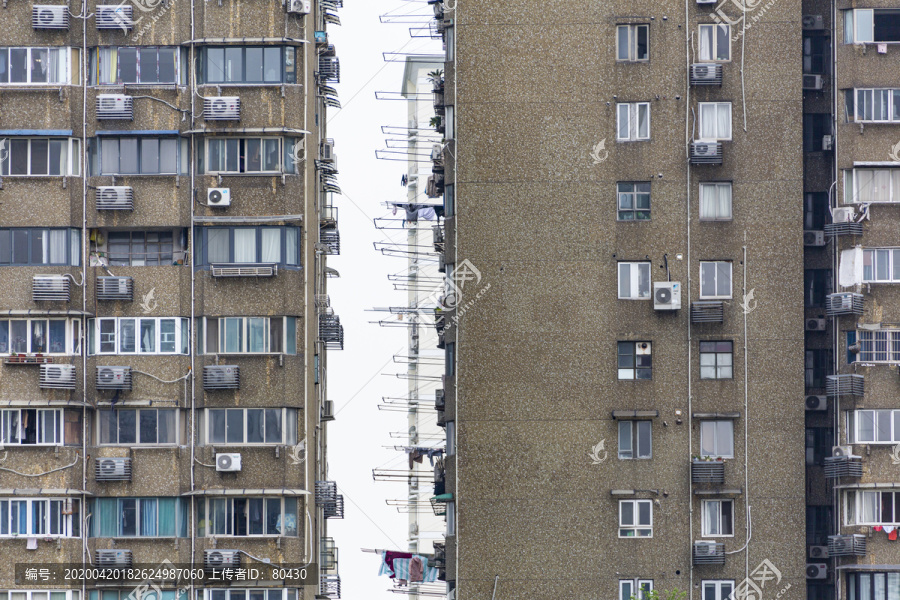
(717, 590)
(873, 585)
(819, 521)
(875, 426)
(877, 105)
(634, 588)
(139, 517)
(154, 593)
(716, 360)
(40, 336)
(633, 121)
(39, 427)
(634, 281)
(143, 248)
(250, 335)
(872, 185)
(718, 518)
(815, 127)
(715, 42)
(40, 247)
(246, 155)
(239, 64)
(450, 359)
(715, 120)
(873, 507)
(818, 366)
(816, 287)
(146, 335)
(145, 155)
(245, 426)
(632, 42)
(36, 65)
(247, 516)
(717, 439)
(635, 518)
(868, 25)
(20, 594)
(41, 156)
(715, 201)
(815, 54)
(815, 211)
(242, 594)
(145, 426)
(633, 201)
(634, 360)
(449, 206)
(143, 64)
(56, 517)
(819, 444)
(878, 346)
(252, 245)
(635, 439)
(881, 265)
(715, 279)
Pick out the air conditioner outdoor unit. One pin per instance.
(115, 288)
(113, 378)
(221, 377)
(817, 403)
(704, 548)
(437, 152)
(115, 197)
(50, 17)
(706, 152)
(218, 197)
(816, 571)
(57, 377)
(815, 324)
(222, 108)
(115, 107)
(112, 558)
(114, 16)
(814, 238)
(328, 410)
(841, 451)
(813, 22)
(706, 74)
(843, 215)
(219, 559)
(666, 295)
(812, 82)
(228, 463)
(827, 143)
(299, 7)
(818, 552)
(112, 469)
(327, 153)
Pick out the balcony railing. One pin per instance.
(707, 471)
(330, 586)
(331, 332)
(836, 229)
(845, 385)
(709, 553)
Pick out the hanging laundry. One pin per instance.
(877, 528)
(387, 562)
(888, 529)
(415, 455)
(893, 536)
(416, 569)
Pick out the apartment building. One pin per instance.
(165, 223)
(624, 186)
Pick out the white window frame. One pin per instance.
(97, 56)
(853, 181)
(878, 346)
(630, 447)
(51, 423)
(874, 416)
(43, 594)
(630, 111)
(713, 509)
(634, 273)
(62, 505)
(71, 151)
(96, 339)
(241, 593)
(874, 258)
(719, 584)
(718, 295)
(631, 32)
(717, 106)
(220, 328)
(855, 500)
(714, 49)
(208, 502)
(137, 427)
(629, 588)
(72, 343)
(289, 426)
(869, 94)
(718, 189)
(642, 530)
(65, 61)
(718, 451)
(856, 30)
(242, 155)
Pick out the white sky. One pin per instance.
(357, 375)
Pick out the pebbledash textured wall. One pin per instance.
(535, 92)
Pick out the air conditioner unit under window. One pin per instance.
(115, 107)
(112, 469)
(50, 17)
(228, 463)
(813, 238)
(817, 403)
(115, 197)
(113, 378)
(57, 377)
(117, 16)
(706, 74)
(112, 558)
(817, 571)
(220, 559)
(222, 108)
(812, 82)
(221, 377)
(218, 197)
(666, 295)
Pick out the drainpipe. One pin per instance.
(84, 320)
(689, 416)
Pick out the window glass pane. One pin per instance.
(166, 426)
(245, 245)
(273, 426)
(622, 42)
(167, 65)
(625, 449)
(148, 335)
(127, 61)
(272, 65)
(708, 279)
(290, 246)
(234, 64)
(148, 426)
(254, 63)
(217, 245)
(626, 512)
(271, 160)
(216, 426)
(107, 335)
(642, 42)
(128, 155)
(255, 517)
(271, 245)
(707, 42)
(722, 42)
(126, 335)
(215, 65)
(643, 122)
(235, 426)
(18, 61)
(644, 513)
(233, 333)
(168, 156)
(57, 336)
(255, 423)
(40, 65)
(623, 118)
(253, 156)
(644, 447)
(149, 155)
(725, 438)
(127, 426)
(39, 157)
(723, 279)
(256, 335)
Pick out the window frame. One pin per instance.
(852, 182)
(243, 152)
(103, 413)
(635, 277)
(718, 295)
(57, 428)
(852, 26)
(633, 40)
(722, 523)
(634, 586)
(72, 343)
(202, 245)
(636, 528)
(97, 59)
(181, 523)
(72, 242)
(854, 501)
(97, 160)
(631, 430)
(877, 414)
(716, 354)
(65, 60)
(636, 368)
(288, 424)
(97, 337)
(635, 194)
(716, 442)
(633, 110)
(718, 584)
(854, 588)
(209, 331)
(718, 186)
(285, 77)
(68, 522)
(71, 152)
(159, 258)
(890, 106)
(719, 135)
(872, 263)
(714, 49)
(206, 507)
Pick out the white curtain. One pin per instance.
(245, 245)
(881, 185)
(724, 193)
(869, 507)
(271, 245)
(706, 42)
(217, 245)
(290, 245)
(708, 121)
(707, 201)
(724, 120)
(107, 65)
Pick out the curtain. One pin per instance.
(881, 185)
(148, 517)
(290, 234)
(724, 120)
(724, 201)
(708, 121)
(271, 245)
(105, 518)
(74, 247)
(710, 517)
(167, 516)
(708, 202)
(706, 42)
(148, 335)
(217, 245)
(245, 245)
(895, 176)
(107, 59)
(257, 335)
(56, 73)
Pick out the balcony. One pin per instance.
(326, 492)
(50, 288)
(845, 385)
(847, 545)
(244, 270)
(329, 242)
(707, 471)
(845, 303)
(706, 153)
(331, 332)
(328, 217)
(334, 510)
(328, 555)
(709, 553)
(27, 359)
(843, 466)
(330, 586)
(438, 236)
(708, 311)
(115, 288)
